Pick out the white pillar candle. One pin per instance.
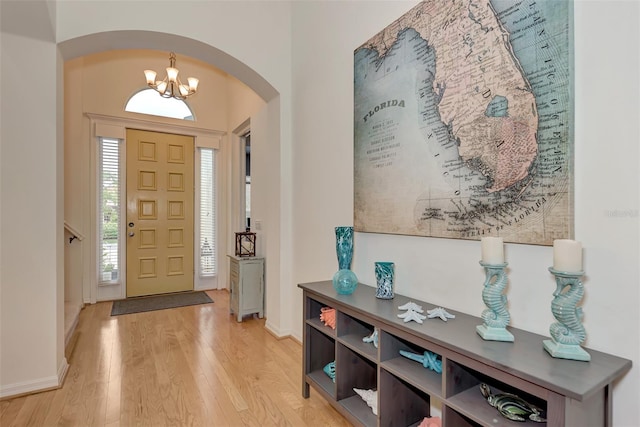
(492, 250)
(567, 255)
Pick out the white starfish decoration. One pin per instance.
(412, 315)
(441, 313)
(411, 306)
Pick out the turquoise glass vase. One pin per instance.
(344, 247)
(345, 280)
(385, 272)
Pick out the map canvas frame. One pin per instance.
(463, 122)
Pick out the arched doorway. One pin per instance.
(92, 44)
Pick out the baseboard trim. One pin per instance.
(62, 371)
(73, 324)
(36, 386)
(296, 338)
(276, 332)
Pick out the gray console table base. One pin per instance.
(573, 393)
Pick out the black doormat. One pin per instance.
(158, 302)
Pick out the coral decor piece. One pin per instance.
(328, 316)
(431, 422)
(370, 397)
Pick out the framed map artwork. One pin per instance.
(463, 122)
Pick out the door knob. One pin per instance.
(131, 234)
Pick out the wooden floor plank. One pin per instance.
(188, 366)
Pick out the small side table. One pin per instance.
(246, 286)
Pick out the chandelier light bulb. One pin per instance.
(172, 74)
(193, 83)
(151, 76)
(161, 87)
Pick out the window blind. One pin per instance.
(109, 189)
(208, 255)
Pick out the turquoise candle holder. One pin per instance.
(567, 333)
(496, 316)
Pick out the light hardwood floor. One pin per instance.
(188, 366)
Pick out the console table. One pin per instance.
(573, 393)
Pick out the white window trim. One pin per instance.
(116, 127)
(122, 262)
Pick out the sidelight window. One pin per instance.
(208, 256)
(109, 205)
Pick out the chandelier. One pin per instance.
(171, 86)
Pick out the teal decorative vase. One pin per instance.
(344, 247)
(345, 280)
(385, 272)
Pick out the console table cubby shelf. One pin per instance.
(573, 393)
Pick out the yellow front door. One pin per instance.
(159, 213)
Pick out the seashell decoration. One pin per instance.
(328, 316)
(431, 422)
(370, 397)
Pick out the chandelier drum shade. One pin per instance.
(171, 86)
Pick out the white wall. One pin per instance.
(31, 222)
(241, 103)
(446, 271)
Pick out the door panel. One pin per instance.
(159, 213)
